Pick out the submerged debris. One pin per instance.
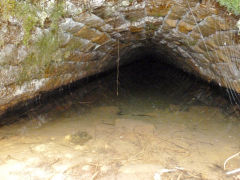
(80, 137)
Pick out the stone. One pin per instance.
(79, 138)
(184, 27)
(87, 33)
(71, 26)
(171, 22)
(158, 10)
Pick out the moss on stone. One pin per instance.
(7, 7)
(22, 10)
(28, 14)
(44, 52)
(232, 5)
(151, 27)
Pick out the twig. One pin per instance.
(94, 175)
(181, 147)
(179, 177)
(233, 171)
(233, 156)
(54, 162)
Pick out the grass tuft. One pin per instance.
(232, 5)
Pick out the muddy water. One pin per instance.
(163, 125)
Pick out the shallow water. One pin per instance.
(164, 124)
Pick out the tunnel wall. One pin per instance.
(48, 44)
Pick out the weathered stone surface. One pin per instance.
(82, 40)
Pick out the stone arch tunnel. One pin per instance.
(119, 89)
(51, 44)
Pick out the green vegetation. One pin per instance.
(232, 5)
(151, 27)
(44, 54)
(44, 50)
(28, 12)
(22, 10)
(132, 18)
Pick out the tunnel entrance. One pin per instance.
(164, 124)
(144, 71)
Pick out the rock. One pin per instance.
(80, 137)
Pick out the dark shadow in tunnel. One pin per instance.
(148, 75)
(152, 74)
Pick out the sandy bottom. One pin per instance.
(102, 144)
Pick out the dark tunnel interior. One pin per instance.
(151, 77)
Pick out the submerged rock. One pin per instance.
(80, 138)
